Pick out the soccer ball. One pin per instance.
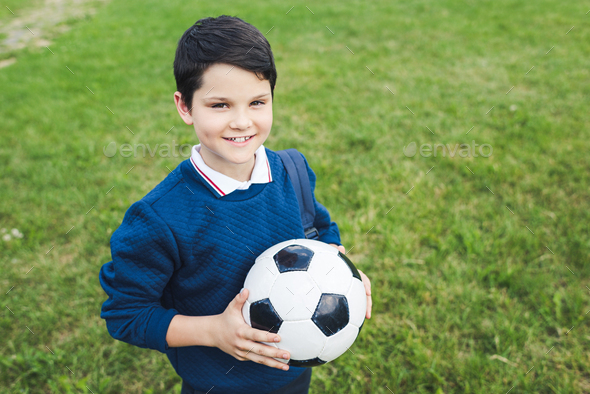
(311, 295)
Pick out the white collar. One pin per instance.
(223, 184)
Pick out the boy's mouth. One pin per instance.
(239, 139)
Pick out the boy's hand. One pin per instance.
(236, 338)
(366, 282)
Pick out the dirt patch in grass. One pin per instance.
(36, 26)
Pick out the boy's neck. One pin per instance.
(239, 172)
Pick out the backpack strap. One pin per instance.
(297, 170)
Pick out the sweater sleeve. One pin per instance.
(144, 254)
(328, 229)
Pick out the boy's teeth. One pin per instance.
(239, 139)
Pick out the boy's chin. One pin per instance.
(243, 157)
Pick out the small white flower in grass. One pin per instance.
(15, 233)
(513, 108)
(6, 237)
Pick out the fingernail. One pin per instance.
(277, 339)
(286, 368)
(285, 356)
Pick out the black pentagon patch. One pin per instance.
(264, 317)
(331, 315)
(313, 362)
(355, 272)
(293, 258)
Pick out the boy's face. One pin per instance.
(231, 103)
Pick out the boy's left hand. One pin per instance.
(366, 282)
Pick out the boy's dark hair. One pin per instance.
(225, 39)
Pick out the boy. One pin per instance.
(183, 251)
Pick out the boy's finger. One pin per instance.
(368, 288)
(271, 351)
(268, 361)
(339, 247)
(267, 354)
(366, 282)
(241, 298)
(263, 336)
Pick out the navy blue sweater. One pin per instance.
(182, 249)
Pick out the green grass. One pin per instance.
(11, 8)
(459, 282)
(44, 20)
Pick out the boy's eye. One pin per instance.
(255, 103)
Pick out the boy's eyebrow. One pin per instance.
(226, 99)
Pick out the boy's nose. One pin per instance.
(241, 122)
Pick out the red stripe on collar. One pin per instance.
(268, 168)
(207, 178)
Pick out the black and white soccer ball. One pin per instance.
(311, 295)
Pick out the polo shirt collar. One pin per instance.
(224, 185)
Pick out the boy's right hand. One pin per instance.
(236, 338)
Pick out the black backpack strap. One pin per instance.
(297, 170)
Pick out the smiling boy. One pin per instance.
(221, 123)
(183, 251)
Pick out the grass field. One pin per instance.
(479, 265)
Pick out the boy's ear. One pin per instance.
(183, 110)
